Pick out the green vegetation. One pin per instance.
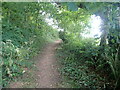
(24, 32)
(85, 61)
(85, 55)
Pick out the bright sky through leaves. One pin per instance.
(53, 23)
(94, 30)
(96, 22)
(95, 27)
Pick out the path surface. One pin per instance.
(48, 75)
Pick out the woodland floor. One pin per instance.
(45, 73)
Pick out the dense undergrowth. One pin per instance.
(88, 62)
(81, 70)
(91, 62)
(24, 33)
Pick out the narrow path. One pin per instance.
(45, 74)
(48, 75)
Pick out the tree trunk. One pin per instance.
(104, 28)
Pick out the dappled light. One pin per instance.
(60, 45)
(94, 29)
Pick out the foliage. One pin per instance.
(75, 67)
(24, 32)
(97, 57)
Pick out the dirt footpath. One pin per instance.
(48, 75)
(45, 74)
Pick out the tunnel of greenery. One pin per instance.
(25, 31)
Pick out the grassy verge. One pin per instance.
(28, 78)
(76, 74)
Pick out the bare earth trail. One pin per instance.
(48, 75)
